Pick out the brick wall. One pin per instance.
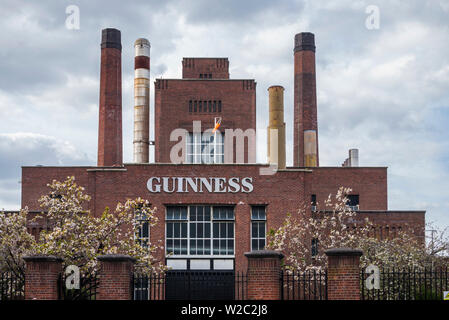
(343, 277)
(263, 275)
(41, 277)
(115, 277)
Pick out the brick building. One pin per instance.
(214, 203)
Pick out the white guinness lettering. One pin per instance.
(198, 184)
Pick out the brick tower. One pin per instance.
(110, 124)
(305, 150)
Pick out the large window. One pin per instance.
(200, 230)
(205, 148)
(258, 227)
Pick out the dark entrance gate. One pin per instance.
(200, 285)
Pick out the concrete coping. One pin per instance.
(264, 254)
(343, 252)
(42, 258)
(116, 258)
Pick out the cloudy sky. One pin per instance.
(383, 90)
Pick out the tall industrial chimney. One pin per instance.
(276, 127)
(110, 122)
(305, 149)
(141, 140)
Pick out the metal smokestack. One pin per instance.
(141, 140)
(354, 157)
(110, 117)
(276, 127)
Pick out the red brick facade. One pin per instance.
(237, 100)
(282, 192)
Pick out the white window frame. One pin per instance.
(258, 221)
(211, 238)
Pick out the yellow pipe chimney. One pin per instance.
(276, 127)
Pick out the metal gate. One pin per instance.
(200, 285)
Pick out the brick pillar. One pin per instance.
(263, 275)
(41, 277)
(116, 271)
(343, 280)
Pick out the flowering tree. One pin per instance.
(339, 226)
(76, 235)
(15, 242)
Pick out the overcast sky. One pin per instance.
(384, 91)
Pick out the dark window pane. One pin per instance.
(255, 228)
(183, 246)
(176, 230)
(200, 106)
(200, 230)
(216, 213)
(145, 230)
(216, 230)
(190, 106)
(222, 246)
(184, 230)
(192, 213)
(184, 213)
(261, 229)
(169, 246)
(192, 246)
(254, 244)
(207, 230)
(230, 246)
(207, 247)
(199, 213)
(169, 213)
(207, 213)
(222, 230)
(192, 230)
(176, 247)
(216, 247)
(230, 230)
(261, 244)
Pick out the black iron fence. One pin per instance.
(406, 284)
(191, 285)
(87, 290)
(12, 286)
(304, 285)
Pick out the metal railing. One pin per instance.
(87, 290)
(191, 285)
(12, 286)
(303, 285)
(407, 284)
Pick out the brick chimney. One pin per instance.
(110, 124)
(305, 145)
